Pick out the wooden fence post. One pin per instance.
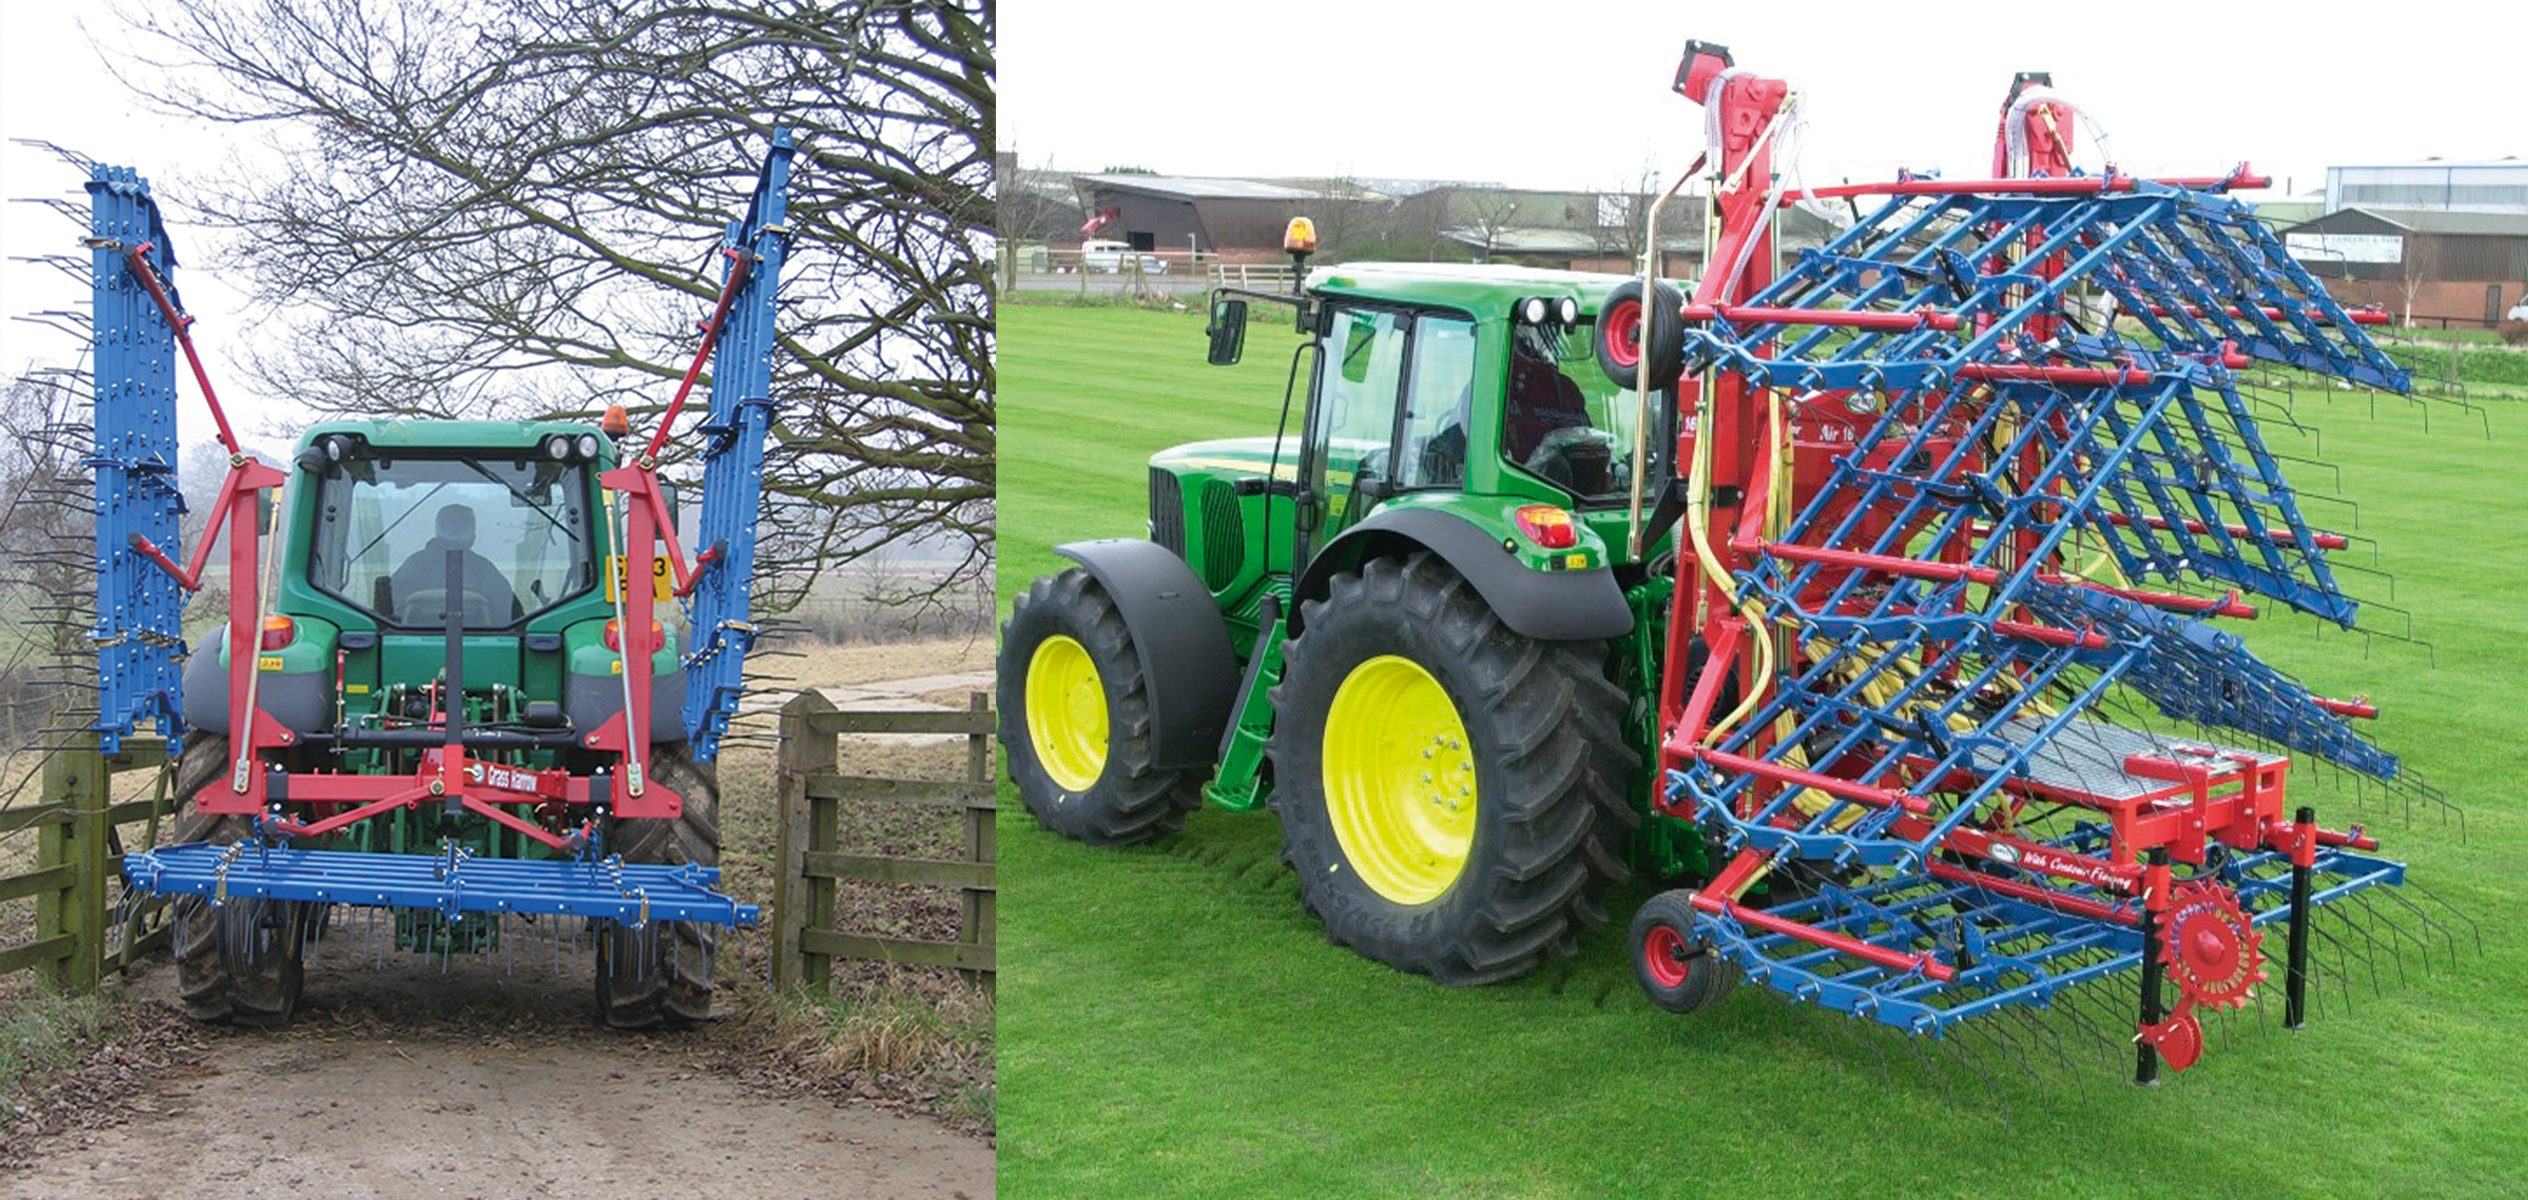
(977, 906)
(76, 779)
(800, 902)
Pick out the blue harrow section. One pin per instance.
(453, 885)
(733, 463)
(139, 631)
(2022, 952)
(1992, 589)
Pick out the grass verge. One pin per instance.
(1174, 1024)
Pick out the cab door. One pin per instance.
(1347, 450)
(1388, 411)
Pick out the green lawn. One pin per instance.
(1173, 1024)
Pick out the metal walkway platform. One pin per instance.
(2087, 757)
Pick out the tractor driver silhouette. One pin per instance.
(423, 592)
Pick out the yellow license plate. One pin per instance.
(661, 578)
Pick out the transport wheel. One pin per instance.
(661, 973)
(1075, 719)
(1677, 967)
(1625, 325)
(239, 962)
(1451, 793)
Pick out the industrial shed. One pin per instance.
(1172, 213)
(2458, 269)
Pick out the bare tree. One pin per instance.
(511, 209)
(47, 535)
(2420, 264)
(1493, 212)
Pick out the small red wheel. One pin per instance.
(1677, 968)
(1628, 328)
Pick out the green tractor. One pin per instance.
(455, 687)
(399, 532)
(1417, 631)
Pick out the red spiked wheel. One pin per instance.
(2210, 947)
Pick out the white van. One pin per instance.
(1107, 257)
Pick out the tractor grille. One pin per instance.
(1167, 512)
(1224, 536)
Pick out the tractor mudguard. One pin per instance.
(1550, 606)
(1184, 644)
(302, 703)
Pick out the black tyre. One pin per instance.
(661, 972)
(1678, 968)
(1075, 719)
(1625, 326)
(240, 961)
(1451, 793)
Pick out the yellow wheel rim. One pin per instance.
(1399, 780)
(1066, 713)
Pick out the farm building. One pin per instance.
(2435, 267)
(1180, 213)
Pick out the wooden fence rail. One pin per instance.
(78, 856)
(805, 942)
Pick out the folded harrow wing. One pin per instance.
(454, 706)
(1969, 487)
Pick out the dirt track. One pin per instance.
(405, 1083)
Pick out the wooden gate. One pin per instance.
(813, 791)
(79, 858)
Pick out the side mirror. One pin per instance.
(670, 492)
(1228, 331)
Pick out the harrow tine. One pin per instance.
(2324, 929)
(2473, 931)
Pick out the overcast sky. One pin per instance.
(54, 87)
(1575, 94)
(1565, 95)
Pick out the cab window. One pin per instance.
(1562, 420)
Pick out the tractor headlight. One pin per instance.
(337, 448)
(557, 447)
(1532, 310)
(1569, 311)
(588, 446)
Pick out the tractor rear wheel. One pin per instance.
(1075, 719)
(238, 962)
(1451, 793)
(661, 972)
(1676, 966)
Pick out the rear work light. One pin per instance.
(1547, 525)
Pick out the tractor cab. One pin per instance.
(1471, 388)
(398, 534)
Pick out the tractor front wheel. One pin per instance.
(661, 972)
(241, 961)
(1075, 719)
(1451, 793)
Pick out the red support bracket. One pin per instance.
(137, 260)
(744, 265)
